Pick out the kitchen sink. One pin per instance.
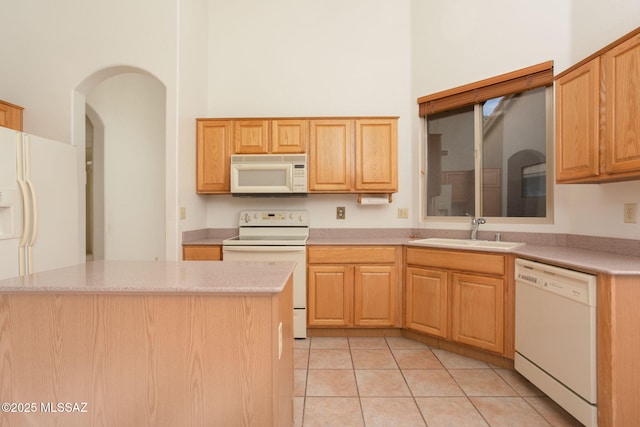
(487, 245)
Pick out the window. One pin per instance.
(487, 146)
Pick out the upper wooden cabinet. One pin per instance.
(578, 123)
(251, 136)
(330, 155)
(622, 113)
(279, 136)
(345, 155)
(376, 157)
(597, 109)
(10, 116)
(289, 136)
(354, 155)
(213, 148)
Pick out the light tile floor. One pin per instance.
(397, 382)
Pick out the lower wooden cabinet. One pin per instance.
(201, 252)
(458, 296)
(353, 286)
(477, 311)
(427, 294)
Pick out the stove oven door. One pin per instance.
(280, 253)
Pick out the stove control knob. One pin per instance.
(247, 218)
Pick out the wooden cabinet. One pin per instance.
(251, 136)
(353, 286)
(279, 136)
(376, 155)
(458, 296)
(427, 301)
(346, 155)
(202, 252)
(10, 116)
(330, 155)
(289, 136)
(187, 358)
(477, 311)
(622, 112)
(597, 106)
(213, 148)
(353, 155)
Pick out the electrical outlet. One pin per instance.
(631, 213)
(403, 212)
(340, 212)
(183, 212)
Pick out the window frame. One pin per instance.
(540, 75)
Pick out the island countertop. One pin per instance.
(196, 277)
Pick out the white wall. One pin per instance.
(313, 58)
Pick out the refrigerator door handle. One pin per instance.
(29, 210)
(32, 193)
(26, 225)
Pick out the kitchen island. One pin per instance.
(148, 343)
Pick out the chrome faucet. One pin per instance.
(475, 223)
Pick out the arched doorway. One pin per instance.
(125, 119)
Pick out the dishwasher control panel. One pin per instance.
(570, 284)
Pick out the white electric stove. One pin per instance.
(276, 236)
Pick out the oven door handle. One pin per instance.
(270, 249)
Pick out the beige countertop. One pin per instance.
(220, 277)
(582, 259)
(585, 253)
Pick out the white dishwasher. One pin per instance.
(555, 335)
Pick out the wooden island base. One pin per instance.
(147, 359)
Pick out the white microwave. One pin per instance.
(269, 174)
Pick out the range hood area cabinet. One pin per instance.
(261, 136)
(597, 110)
(345, 154)
(218, 139)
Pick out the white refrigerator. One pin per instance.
(39, 204)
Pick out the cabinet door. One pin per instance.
(289, 136)
(330, 295)
(427, 298)
(577, 123)
(376, 152)
(477, 311)
(10, 116)
(251, 136)
(375, 293)
(622, 105)
(201, 252)
(213, 145)
(330, 155)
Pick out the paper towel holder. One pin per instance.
(383, 198)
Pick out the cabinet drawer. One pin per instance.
(457, 260)
(352, 254)
(201, 253)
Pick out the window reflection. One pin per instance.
(511, 169)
